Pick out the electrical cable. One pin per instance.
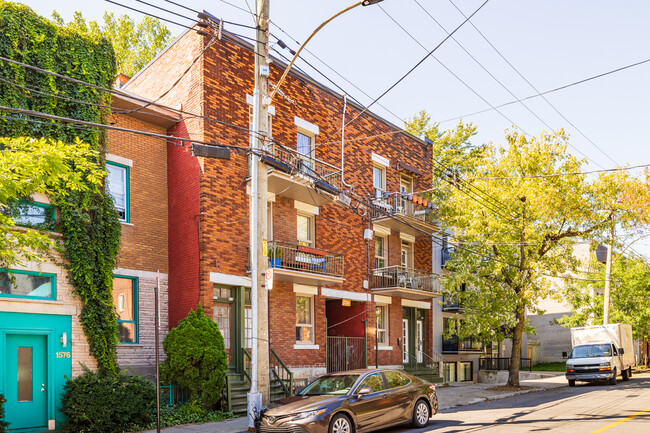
(531, 85)
(577, 173)
(201, 32)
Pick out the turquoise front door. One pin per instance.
(26, 381)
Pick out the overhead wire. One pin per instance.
(577, 173)
(531, 84)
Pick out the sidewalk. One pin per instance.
(454, 395)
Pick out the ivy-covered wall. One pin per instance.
(88, 223)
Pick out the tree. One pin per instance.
(29, 166)
(135, 44)
(629, 298)
(515, 220)
(196, 358)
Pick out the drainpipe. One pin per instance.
(345, 104)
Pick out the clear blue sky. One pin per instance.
(550, 42)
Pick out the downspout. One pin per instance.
(345, 104)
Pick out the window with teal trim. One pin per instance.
(26, 284)
(125, 300)
(117, 183)
(31, 214)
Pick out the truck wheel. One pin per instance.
(572, 382)
(629, 372)
(612, 380)
(624, 374)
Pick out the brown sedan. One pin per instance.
(353, 402)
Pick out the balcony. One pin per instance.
(446, 254)
(405, 213)
(304, 265)
(406, 283)
(450, 303)
(453, 345)
(300, 177)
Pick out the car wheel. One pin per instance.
(434, 404)
(624, 374)
(612, 380)
(340, 424)
(420, 414)
(572, 382)
(629, 372)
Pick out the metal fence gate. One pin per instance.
(345, 353)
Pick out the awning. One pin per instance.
(408, 167)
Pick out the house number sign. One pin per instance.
(63, 354)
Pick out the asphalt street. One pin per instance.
(587, 408)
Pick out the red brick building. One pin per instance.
(338, 300)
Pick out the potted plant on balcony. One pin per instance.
(275, 256)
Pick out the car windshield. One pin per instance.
(339, 384)
(592, 351)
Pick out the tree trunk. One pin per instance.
(515, 355)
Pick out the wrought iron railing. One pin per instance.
(174, 394)
(345, 353)
(423, 363)
(503, 364)
(402, 277)
(453, 344)
(406, 205)
(293, 162)
(283, 255)
(451, 303)
(281, 373)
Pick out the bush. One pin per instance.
(196, 358)
(3, 424)
(187, 413)
(111, 403)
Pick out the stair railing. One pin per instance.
(433, 366)
(246, 372)
(281, 373)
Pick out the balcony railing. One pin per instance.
(401, 277)
(453, 345)
(290, 161)
(446, 253)
(283, 255)
(451, 303)
(406, 205)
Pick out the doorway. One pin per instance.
(413, 336)
(26, 381)
(346, 335)
(233, 315)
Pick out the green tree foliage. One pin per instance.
(43, 166)
(135, 44)
(108, 403)
(89, 223)
(513, 229)
(630, 292)
(3, 423)
(196, 358)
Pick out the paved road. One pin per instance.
(587, 408)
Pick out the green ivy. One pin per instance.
(89, 223)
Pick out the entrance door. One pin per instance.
(405, 341)
(26, 377)
(419, 340)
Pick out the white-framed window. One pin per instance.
(221, 313)
(382, 325)
(407, 255)
(305, 148)
(378, 180)
(305, 229)
(304, 319)
(380, 252)
(248, 328)
(117, 183)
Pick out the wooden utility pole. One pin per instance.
(260, 390)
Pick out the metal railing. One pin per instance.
(451, 303)
(345, 353)
(503, 364)
(293, 162)
(281, 373)
(405, 205)
(283, 255)
(453, 344)
(429, 365)
(246, 371)
(174, 394)
(401, 277)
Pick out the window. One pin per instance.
(304, 147)
(380, 252)
(250, 123)
(221, 314)
(382, 325)
(465, 371)
(407, 255)
(32, 214)
(117, 183)
(449, 371)
(378, 181)
(304, 319)
(373, 381)
(396, 379)
(305, 229)
(248, 328)
(125, 300)
(27, 284)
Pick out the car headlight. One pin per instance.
(604, 364)
(303, 415)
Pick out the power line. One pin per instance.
(201, 32)
(577, 173)
(532, 86)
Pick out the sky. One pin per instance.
(509, 50)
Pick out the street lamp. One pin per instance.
(295, 56)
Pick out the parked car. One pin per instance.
(353, 401)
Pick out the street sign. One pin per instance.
(269, 279)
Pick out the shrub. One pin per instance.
(107, 403)
(3, 424)
(196, 358)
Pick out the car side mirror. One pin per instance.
(621, 351)
(363, 391)
(564, 355)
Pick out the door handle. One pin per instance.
(43, 389)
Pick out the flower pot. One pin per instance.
(276, 263)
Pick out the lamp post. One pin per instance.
(260, 391)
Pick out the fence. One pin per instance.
(345, 353)
(173, 394)
(503, 364)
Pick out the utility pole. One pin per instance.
(259, 392)
(608, 278)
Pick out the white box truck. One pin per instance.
(600, 353)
